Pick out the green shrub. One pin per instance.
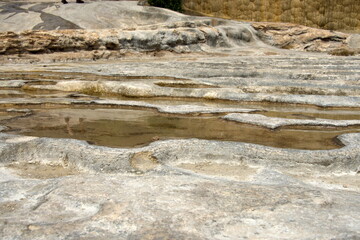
(170, 4)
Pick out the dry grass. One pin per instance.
(342, 52)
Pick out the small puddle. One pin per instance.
(116, 127)
(41, 171)
(131, 128)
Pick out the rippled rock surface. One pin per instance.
(187, 128)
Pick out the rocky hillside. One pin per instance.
(54, 27)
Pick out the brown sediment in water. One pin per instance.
(131, 128)
(151, 125)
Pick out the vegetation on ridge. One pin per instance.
(170, 4)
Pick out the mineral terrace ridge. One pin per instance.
(66, 68)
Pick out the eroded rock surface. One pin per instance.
(181, 189)
(297, 37)
(274, 123)
(197, 201)
(82, 28)
(154, 29)
(166, 186)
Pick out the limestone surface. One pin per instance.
(50, 27)
(313, 79)
(86, 29)
(182, 189)
(169, 201)
(297, 37)
(126, 69)
(274, 123)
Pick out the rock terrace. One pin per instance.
(139, 64)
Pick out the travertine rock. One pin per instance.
(273, 123)
(74, 28)
(115, 39)
(298, 37)
(180, 188)
(171, 201)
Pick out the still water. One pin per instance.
(132, 128)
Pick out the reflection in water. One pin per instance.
(129, 128)
(80, 126)
(69, 131)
